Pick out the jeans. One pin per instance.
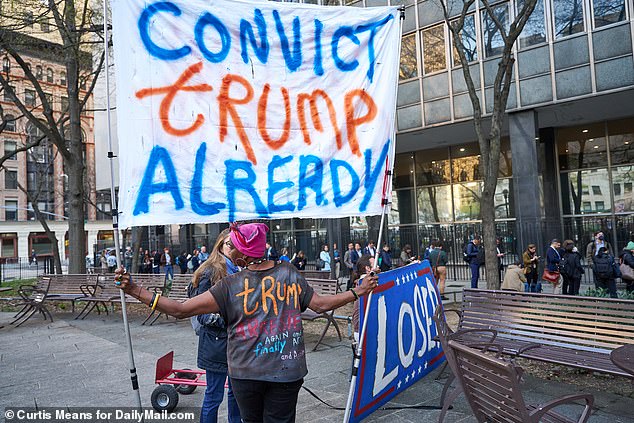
(156, 269)
(475, 274)
(169, 271)
(266, 402)
(532, 282)
(214, 393)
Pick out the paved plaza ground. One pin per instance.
(70, 363)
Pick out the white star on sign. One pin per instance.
(398, 282)
(398, 385)
(425, 364)
(414, 276)
(406, 378)
(420, 369)
(413, 373)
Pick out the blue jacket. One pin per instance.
(212, 336)
(553, 257)
(472, 253)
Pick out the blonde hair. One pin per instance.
(215, 262)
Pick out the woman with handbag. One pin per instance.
(551, 272)
(627, 266)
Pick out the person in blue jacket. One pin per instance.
(212, 333)
(473, 253)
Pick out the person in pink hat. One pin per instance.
(261, 306)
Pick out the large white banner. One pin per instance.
(235, 110)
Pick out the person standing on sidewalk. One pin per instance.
(553, 258)
(212, 333)
(530, 260)
(473, 253)
(438, 260)
(265, 374)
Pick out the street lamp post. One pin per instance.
(505, 193)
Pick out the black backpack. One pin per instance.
(603, 266)
(567, 265)
(465, 257)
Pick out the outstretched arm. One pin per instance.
(201, 304)
(322, 303)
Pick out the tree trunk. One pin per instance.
(75, 164)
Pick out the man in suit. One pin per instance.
(271, 254)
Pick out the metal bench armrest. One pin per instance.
(542, 409)
(525, 348)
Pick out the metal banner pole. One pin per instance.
(115, 213)
(387, 186)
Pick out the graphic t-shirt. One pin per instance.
(262, 312)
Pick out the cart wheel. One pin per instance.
(185, 389)
(164, 397)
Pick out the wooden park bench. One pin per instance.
(71, 287)
(53, 287)
(322, 287)
(492, 387)
(573, 331)
(107, 293)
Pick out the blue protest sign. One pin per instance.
(398, 349)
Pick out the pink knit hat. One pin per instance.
(250, 238)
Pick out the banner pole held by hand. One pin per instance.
(387, 186)
(115, 213)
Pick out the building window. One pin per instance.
(534, 31)
(10, 210)
(62, 78)
(9, 123)
(29, 97)
(607, 12)
(434, 49)
(7, 94)
(599, 206)
(468, 35)
(10, 179)
(568, 17)
(38, 73)
(587, 206)
(64, 104)
(6, 65)
(491, 35)
(44, 25)
(49, 75)
(596, 190)
(617, 190)
(409, 65)
(82, 82)
(9, 147)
